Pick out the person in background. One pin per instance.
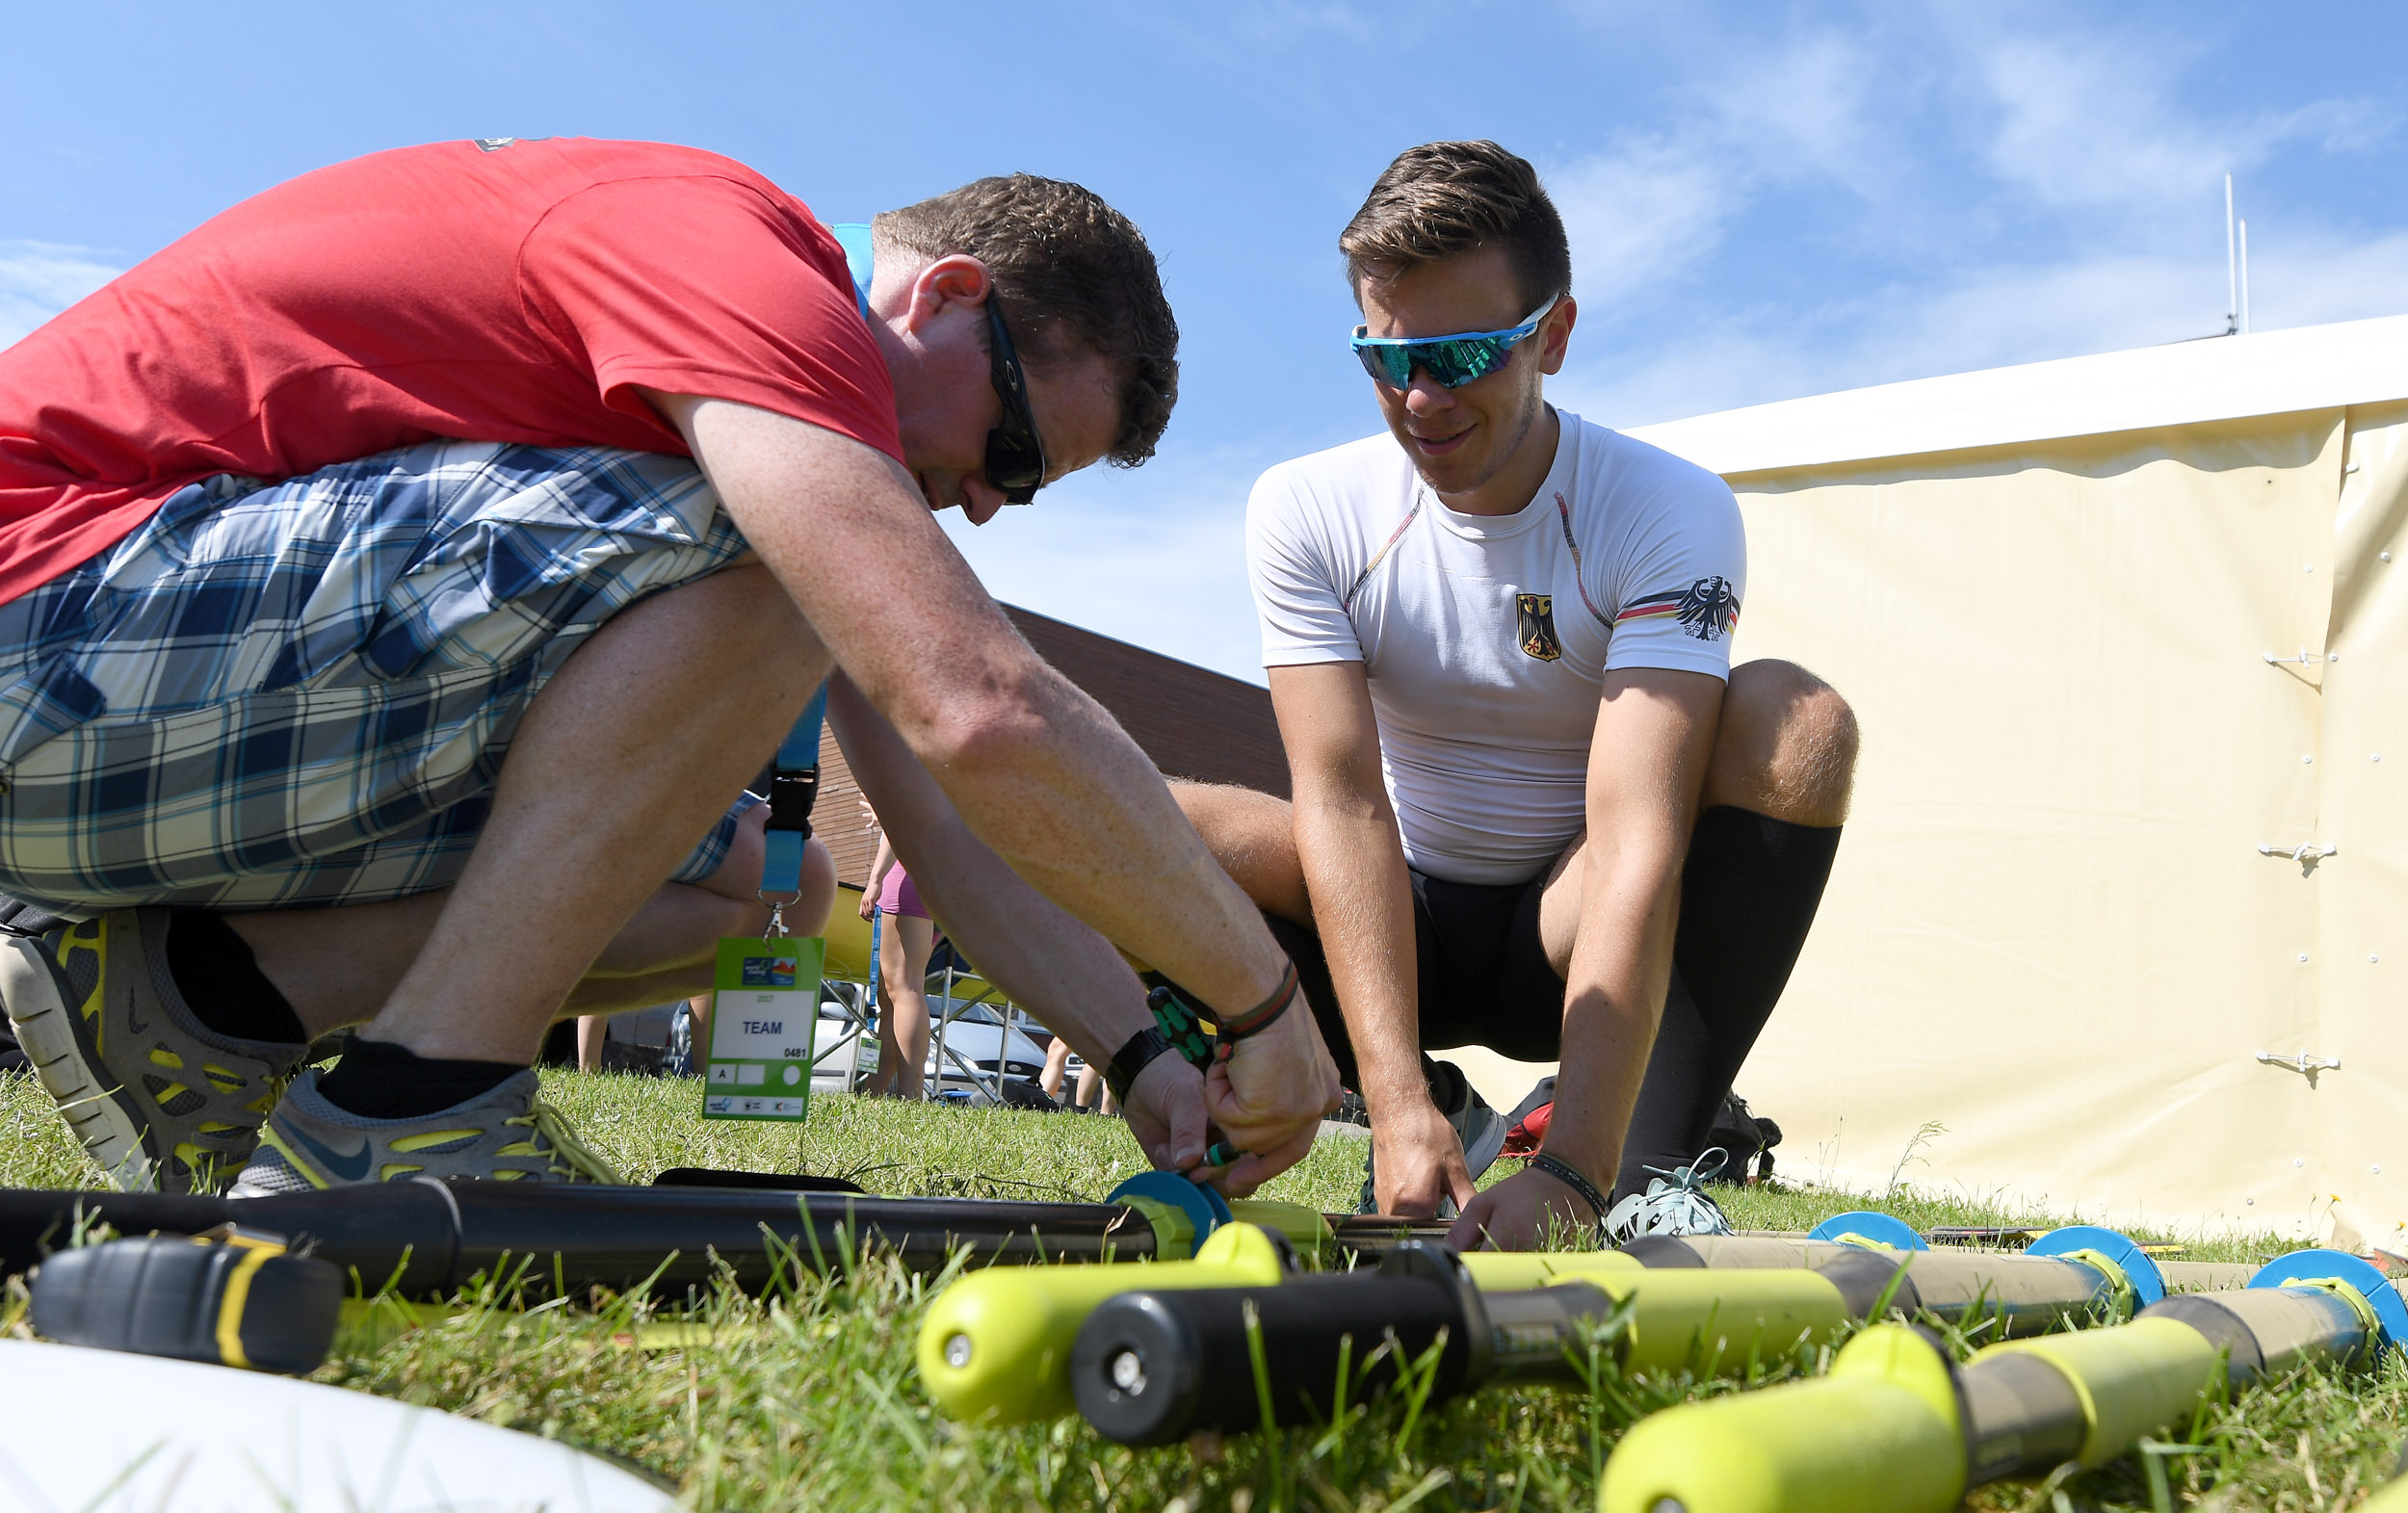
(1536, 808)
(591, 1031)
(906, 938)
(1058, 1065)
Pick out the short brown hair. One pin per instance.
(1074, 274)
(1443, 200)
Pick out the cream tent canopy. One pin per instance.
(2123, 906)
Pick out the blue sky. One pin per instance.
(1764, 200)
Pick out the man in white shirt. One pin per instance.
(1498, 642)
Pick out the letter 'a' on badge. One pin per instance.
(1538, 625)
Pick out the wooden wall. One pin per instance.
(1192, 722)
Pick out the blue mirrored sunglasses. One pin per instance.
(1452, 361)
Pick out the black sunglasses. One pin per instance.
(1015, 458)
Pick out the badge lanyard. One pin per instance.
(793, 787)
(765, 1000)
(765, 990)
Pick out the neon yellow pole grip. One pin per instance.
(1710, 1322)
(2132, 1379)
(1307, 1229)
(1519, 1271)
(994, 1347)
(1879, 1434)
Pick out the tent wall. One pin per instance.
(2051, 929)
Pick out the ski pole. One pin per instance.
(994, 1347)
(1896, 1426)
(1148, 1368)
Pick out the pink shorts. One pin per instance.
(898, 897)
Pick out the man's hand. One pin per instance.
(1417, 1160)
(1268, 1094)
(1166, 1112)
(1517, 1212)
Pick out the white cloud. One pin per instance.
(2091, 121)
(37, 279)
(1641, 213)
(1648, 209)
(2002, 197)
(2088, 126)
(1807, 107)
(1155, 557)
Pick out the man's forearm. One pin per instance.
(1070, 805)
(1621, 968)
(1038, 771)
(1049, 963)
(1355, 874)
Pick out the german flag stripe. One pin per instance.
(1651, 608)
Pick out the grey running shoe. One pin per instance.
(159, 1100)
(1675, 1203)
(1482, 1130)
(507, 1135)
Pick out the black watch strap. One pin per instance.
(1133, 1057)
(1572, 1177)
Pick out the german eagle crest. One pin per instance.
(1707, 609)
(1538, 612)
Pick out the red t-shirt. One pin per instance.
(516, 291)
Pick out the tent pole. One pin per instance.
(2232, 275)
(2244, 278)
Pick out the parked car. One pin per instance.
(974, 1034)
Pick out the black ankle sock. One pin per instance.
(221, 983)
(377, 1079)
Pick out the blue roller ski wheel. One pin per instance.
(2148, 1282)
(1866, 1225)
(1204, 1208)
(2372, 1284)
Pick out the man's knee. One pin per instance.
(1785, 747)
(1225, 814)
(1252, 835)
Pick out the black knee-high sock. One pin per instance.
(1748, 893)
(221, 983)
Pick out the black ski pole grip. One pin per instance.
(1154, 1367)
(230, 1298)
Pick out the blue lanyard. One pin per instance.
(795, 781)
(793, 786)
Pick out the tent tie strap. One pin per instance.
(2306, 854)
(2303, 1062)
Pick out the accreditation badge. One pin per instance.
(765, 1006)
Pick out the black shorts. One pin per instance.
(1482, 971)
(1749, 886)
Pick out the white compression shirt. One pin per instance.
(1486, 639)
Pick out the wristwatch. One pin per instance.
(1133, 1056)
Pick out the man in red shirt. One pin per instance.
(598, 457)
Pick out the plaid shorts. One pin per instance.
(300, 693)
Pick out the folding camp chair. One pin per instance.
(959, 978)
(849, 980)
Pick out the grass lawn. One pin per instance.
(818, 1406)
